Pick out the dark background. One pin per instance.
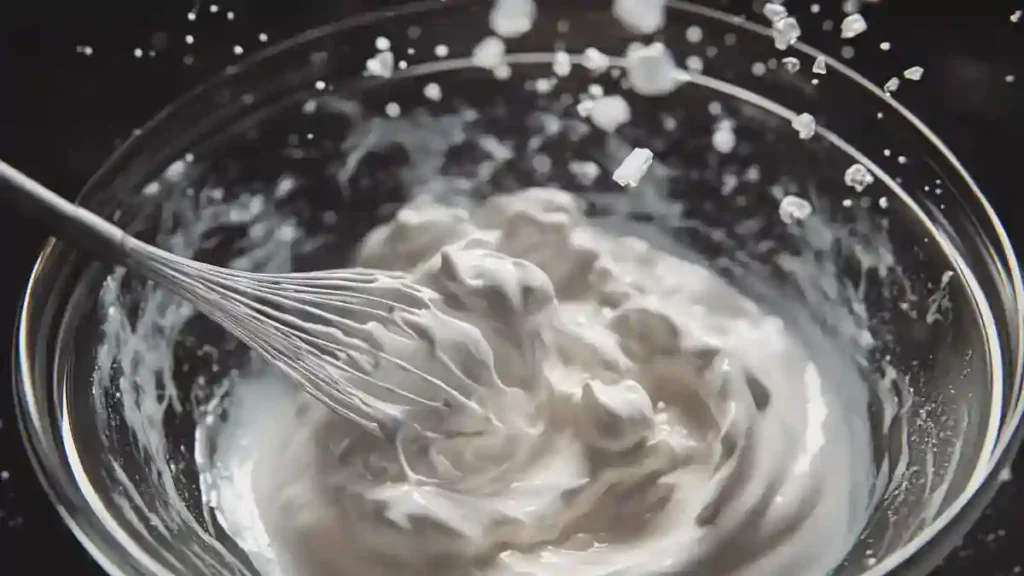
(64, 108)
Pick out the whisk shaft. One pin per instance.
(328, 367)
(89, 231)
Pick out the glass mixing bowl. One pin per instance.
(296, 156)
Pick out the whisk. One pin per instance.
(316, 327)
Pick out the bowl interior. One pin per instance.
(290, 160)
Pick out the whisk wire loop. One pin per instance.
(318, 328)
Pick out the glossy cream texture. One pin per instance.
(640, 417)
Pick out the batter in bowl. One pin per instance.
(641, 417)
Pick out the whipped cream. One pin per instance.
(638, 416)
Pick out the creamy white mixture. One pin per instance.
(644, 418)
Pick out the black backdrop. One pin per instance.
(62, 112)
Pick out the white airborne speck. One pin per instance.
(544, 85)
(562, 64)
(852, 25)
(723, 139)
(791, 64)
(382, 44)
(858, 177)
(819, 65)
(794, 209)
(774, 11)
(84, 50)
(785, 32)
(595, 60)
(694, 63)
(585, 171)
(382, 65)
(805, 125)
(1006, 475)
(884, 46)
(584, 108)
(489, 53)
(640, 16)
(392, 109)
(694, 34)
(432, 92)
(913, 73)
(1015, 17)
(891, 86)
(512, 18)
(441, 51)
(652, 71)
(633, 167)
(610, 112)
(503, 71)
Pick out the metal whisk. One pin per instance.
(317, 327)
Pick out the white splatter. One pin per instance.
(805, 125)
(382, 65)
(785, 32)
(652, 70)
(853, 25)
(913, 73)
(858, 177)
(512, 18)
(432, 92)
(595, 60)
(489, 53)
(723, 139)
(633, 167)
(640, 16)
(610, 112)
(794, 209)
(562, 64)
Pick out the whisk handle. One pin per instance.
(66, 219)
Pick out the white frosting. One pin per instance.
(641, 417)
